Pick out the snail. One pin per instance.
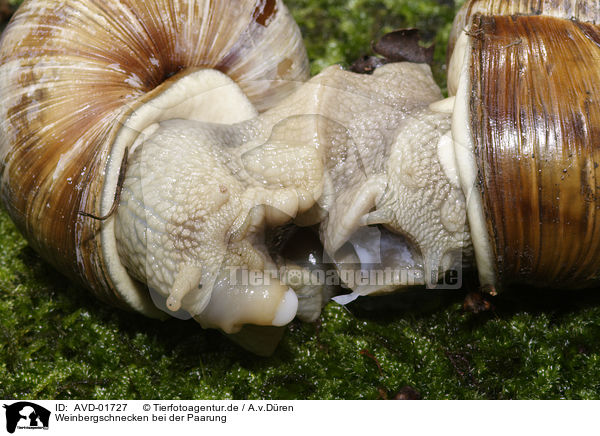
(82, 79)
(149, 148)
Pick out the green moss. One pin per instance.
(338, 31)
(56, 341)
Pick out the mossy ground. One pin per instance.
(56, 341)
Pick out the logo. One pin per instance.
(26, 416)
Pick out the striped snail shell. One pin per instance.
(526, 130)
(73, 74)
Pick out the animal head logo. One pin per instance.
(26, 415)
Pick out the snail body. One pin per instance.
(202, 195)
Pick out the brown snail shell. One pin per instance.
(584, 11)
(529, 148)
(73, 71)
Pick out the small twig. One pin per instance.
(477, 34)
(512, 44)
(117, 198)
(364, 352)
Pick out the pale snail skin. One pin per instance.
(210, 171)
(330, 148)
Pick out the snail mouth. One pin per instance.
(247, 289)
(375, 260)
(255, 298)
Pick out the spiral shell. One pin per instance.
(526, 125)
(72, 71)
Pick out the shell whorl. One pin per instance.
(72, 71)
(531, 88)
